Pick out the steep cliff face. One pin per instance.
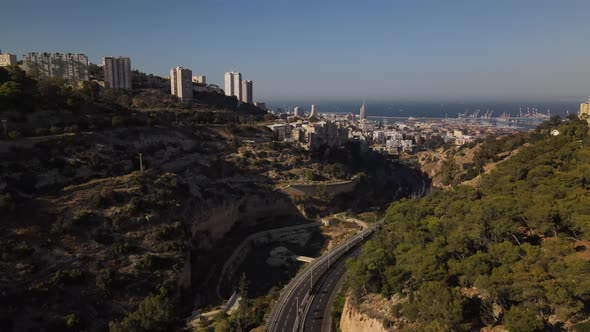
(353, 320)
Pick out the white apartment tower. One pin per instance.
(57, 65)
(233, 84)
(247, 92)
(181, 84)
(297, 111)
(314, 111)
(363, 114)
(117, 72)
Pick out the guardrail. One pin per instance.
(333, 254)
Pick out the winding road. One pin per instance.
(307, 297)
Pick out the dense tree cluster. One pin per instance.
(511, 251)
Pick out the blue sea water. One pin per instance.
(436, 110)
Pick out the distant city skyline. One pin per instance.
(307, 50)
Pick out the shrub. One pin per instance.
(152, 263)
(71, 321)
(6, 203)
(105, 279)
(520, 320)
(66, 277)
(14, 134)
(155, 313)
(168, 232)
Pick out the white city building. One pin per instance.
(7, 59)
(67, 66)
(314, 111)
(181, 83)
(363, 113)
(117, 72)
(201, 79)
(233, 84)
(247, 92)
(297, 111)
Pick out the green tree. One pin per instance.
(521, 320)
(155, 313)
(10, 90)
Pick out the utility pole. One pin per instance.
(311, 280)
(140, 163)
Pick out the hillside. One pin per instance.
(511, 252)
(90, 241)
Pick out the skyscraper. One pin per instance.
(247, 92)
(66, 66)
(181, 83)
(117, 72)
(233, 84)
(363, 114)
(297, 111)
(314, 111)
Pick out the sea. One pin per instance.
(408, 109)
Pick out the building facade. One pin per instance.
(200, 79)
(314, 111)
(117, 72)
(584, 110)
(181, 84)
(246, 92)
(7, 59)
(233, 84)
(66, 66)
(363, 113)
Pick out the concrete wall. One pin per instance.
(242, 251)
(310, 189)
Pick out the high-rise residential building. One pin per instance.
(297, 111)
(247, 92)
(363, 114)
(585, 110)
(181, 84)
(117, 72)
(58, 65)
(200, 79)
(7, 59)
(314, 111)
(233, 84)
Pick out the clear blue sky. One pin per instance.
(349, 50)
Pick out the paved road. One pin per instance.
(289, 308)
(318, 318)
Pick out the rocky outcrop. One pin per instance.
(212, 224)
(353, 320)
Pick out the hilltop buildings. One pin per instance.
(7, 59)
(233, 84)
(181, 84)
(246, 92)
(67, 66)
(117, 72)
